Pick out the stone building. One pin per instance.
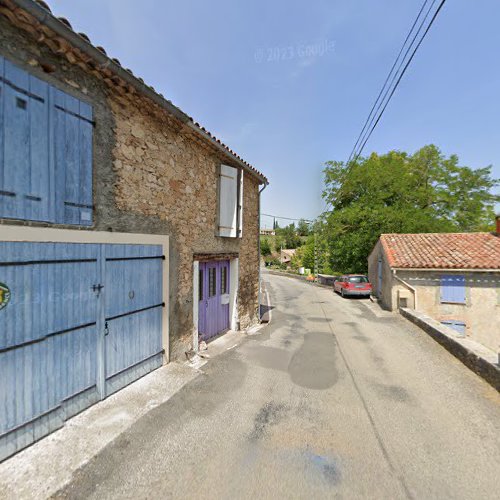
(453, 278)
(98, 169)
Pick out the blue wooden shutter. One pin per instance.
(458, 326)
(24, 145)
(453, 289)
(73, 159)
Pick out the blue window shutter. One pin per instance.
(73, 159)
(453, 289)
(3, 199)
(24, 147)
(458, 326)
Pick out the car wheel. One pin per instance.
(342, 293)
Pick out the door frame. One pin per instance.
(54, 235)
(233, 296)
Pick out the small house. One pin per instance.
(286, 256)
(451, 277)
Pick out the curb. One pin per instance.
(490, 372)
(267, 316)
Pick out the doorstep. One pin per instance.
(219, 345)
(48, 465)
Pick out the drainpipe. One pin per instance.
(407, 285)
(258, 247)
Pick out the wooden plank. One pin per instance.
(59, 153)
(228, 201)
(73, 159)
(39, 376)
(45, 151)
(55, 376)
(3, 198)
(25, 146)
(133, 310)
(17, 142)
(38, 197)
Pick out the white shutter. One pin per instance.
(228, 201)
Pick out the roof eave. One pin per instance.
(46, 18)
(449, 269)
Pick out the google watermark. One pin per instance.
(284, 53)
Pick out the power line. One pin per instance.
(364, 139)
(386, 81)
(285, 218)
(401, 76)
(394, 76)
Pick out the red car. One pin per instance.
(353, 284)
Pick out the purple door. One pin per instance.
(213, 310)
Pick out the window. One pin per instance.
(357, 279)
(46, 151)
(453, 289)
(230, 202)
(212, 286)
(458, 326)
(223, 280)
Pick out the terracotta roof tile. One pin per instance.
(442, 250)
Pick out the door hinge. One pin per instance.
(106, 329)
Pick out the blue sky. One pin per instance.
(288, 85)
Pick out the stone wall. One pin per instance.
(151, 175)
(388, 296)
(162, 171)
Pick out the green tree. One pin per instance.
(303, 228)
(288, 237)
(401, 193)
(265, 247)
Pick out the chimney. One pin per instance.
(498, 225)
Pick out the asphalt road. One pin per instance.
(334, 399)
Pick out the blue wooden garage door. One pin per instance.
(78, 322)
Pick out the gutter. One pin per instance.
(407, 285)
(47, 19)
(258, 248)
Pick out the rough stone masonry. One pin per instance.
(151, 175)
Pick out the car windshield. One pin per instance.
(358, 279)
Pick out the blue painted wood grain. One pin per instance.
(25, 148)
(133, 291)
(45, 151)
(453, 289)
(53, 347)
(73, 159)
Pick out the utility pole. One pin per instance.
(315, 253)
